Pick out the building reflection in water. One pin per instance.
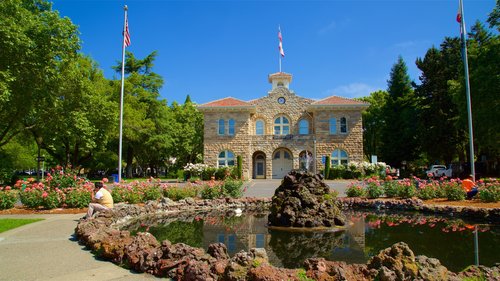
(288, 249)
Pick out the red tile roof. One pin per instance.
(336, 100)
(229, 101)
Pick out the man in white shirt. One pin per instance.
(102, 200)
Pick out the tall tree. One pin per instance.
(34, 42)
(373, 122)
(143, 111)
(77, 122)
(437, 132)
(399, 130)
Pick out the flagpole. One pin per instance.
(125, 8)
(467, 92)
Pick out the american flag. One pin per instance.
(126, 34)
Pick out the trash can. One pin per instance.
(115, 177)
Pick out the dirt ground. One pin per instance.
(22, 211)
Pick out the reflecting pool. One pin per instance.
(449, 240)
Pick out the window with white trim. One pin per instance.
(222, 127)
(339, 157)
(231, 127)
(333, 125)
(281, 126)
(303, 127)
(225, 159)
(259, 127)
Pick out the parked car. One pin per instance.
(440, 171)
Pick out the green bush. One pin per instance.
(490, 193)
(426, 191)
(239, 167)
(391, 188)
(177, 193)
(355, 190)
(327, 167)
(374, 189)
(8, 199)
(232, 188)
(52, 199)
(31, 197)
(454, 191)
(406, 189)
(78, 197)
(337, 172)
(211, 191)
(152, 193)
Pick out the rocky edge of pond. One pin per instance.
(143, 253)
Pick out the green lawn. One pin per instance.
(8, 224)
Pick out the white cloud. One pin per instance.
(353, 90)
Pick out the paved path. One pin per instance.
(46, 250)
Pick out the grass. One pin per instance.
(8, 224)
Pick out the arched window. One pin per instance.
(222, 128)
(303, 127)
(281, 126)
(343, 125)
(333, 126)
(259, 127)
(231, 127)
(280, 84)
(339, 157)
(226, 158)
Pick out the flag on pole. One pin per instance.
(126, 34)
(460, 18)
(282, 52)
(459, 13)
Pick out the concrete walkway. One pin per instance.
(47, 250)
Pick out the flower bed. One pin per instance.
(489, 190)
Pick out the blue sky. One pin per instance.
(215, 49)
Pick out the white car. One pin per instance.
(439, 171)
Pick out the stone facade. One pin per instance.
(272, 154)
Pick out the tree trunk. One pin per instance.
(130, 159)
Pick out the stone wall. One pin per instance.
(267, 109)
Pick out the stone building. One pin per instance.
(282, 131)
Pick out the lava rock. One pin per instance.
(304, 200)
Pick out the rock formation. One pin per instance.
(304, 200)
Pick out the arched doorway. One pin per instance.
(282, 163)
(259, 165)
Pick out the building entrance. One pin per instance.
(282, 163)
(259, 166)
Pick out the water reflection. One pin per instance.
(451, 241)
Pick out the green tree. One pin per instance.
(439, 137)
(35, 42)
(373, 122)
(187, 133)
(399, 130)
(76, 121)
(145, 117)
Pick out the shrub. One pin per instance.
(211, 190)
(152, 193)
(391, 188)
(232, 188)
(453, 190)
(327, 167)
(337, 172)
(177, 193)
(52, 199)
(8, 198)
(426, 191)
(239, 167)
(31, 197)
(490, 192)
(78, 197)
(406, 188)
(355, 190)
(373, 189)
